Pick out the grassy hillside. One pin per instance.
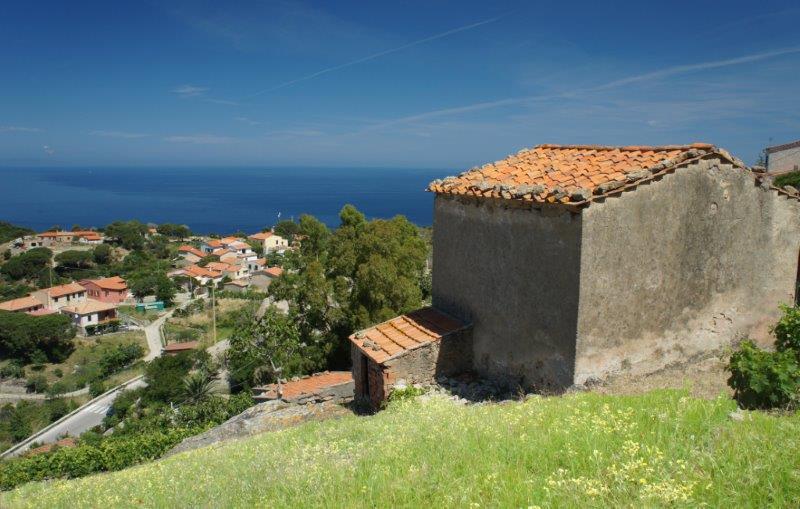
(660, 449)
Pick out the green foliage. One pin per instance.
(9, 232)
(75, 259)
(28, 265)
(96, 388)
(764, 379)
(14, 291)
(22, 336)
(409, 392)
(36, 383)
(363, 273)
(139, 441)
(787, 330)
(164, 377)
(130, 234)
(788, 179)
(12, 370)
(286, 229)
(197, 387)
(177, 231)
(102, 254)
(262, 350)
(19, 426)
(152, 280)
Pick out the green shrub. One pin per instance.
(36, 383)
(409, 392)
(96, 388)
(12, 370)
(763, 379)
(58, 372)
(787, 330)
(788, 179)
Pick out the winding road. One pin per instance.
(92, 413)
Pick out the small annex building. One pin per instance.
(568, 263)
(415, 348)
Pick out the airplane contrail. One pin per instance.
(378, 55)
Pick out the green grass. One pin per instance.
(660, 449)
(87, 352)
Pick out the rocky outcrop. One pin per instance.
(269, 416)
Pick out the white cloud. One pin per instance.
(18, 129)
(200, 139)
(118, 134)
(247, 121)
(186, 91)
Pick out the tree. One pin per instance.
(286, 229)
(23, 336)
(263, 350)
(165, 290)
(130, 234)
(177, 231)
(364, 273)
(197, 387)
(102, 254)
(316, 236)
(74, 259)
(9, 232)
(28, 265)
(164, 377)
(19, 426)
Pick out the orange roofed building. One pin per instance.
(564, 264)
(108, 289)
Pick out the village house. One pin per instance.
(229, 270)
(46, 239)
(200, 275)
(257, 264)
(57, 297)
(108, 289)
(783, 158)
(208, 246)
(236, 285)
(191, 254)
(272, 242)
(565, 264)
(90, 312)
(263, 278)
(26, 304)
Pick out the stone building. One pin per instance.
(783, 158)
(415, 348)
(572, 263)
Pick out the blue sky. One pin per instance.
(406, 84)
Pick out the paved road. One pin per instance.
(87, 417)
(92, 414)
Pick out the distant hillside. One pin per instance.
(9, 231)
(660, 449)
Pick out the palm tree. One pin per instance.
(197, 387)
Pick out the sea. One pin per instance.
(210, 200)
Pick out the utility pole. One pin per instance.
(213, 312)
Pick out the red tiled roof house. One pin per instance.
(108, 289)
(578, 262)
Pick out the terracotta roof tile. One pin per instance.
(571, 173)
(109, 283)
(181, 347)
(193, 250)
(405, 332)
(308, 385)
(261, 236)
(89, 306)
(20, 304)
(61, 290)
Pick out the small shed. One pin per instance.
(176, 348)
(415, 347)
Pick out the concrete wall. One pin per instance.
(514, 274)
(785, 160)
(681, 266)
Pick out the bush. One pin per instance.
(12, 370)
(96, 388)
(763, 379)
(787, 330)
(36, 383)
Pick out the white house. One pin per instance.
(271, 241)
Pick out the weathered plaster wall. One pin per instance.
(681, 266)
(514, 274)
